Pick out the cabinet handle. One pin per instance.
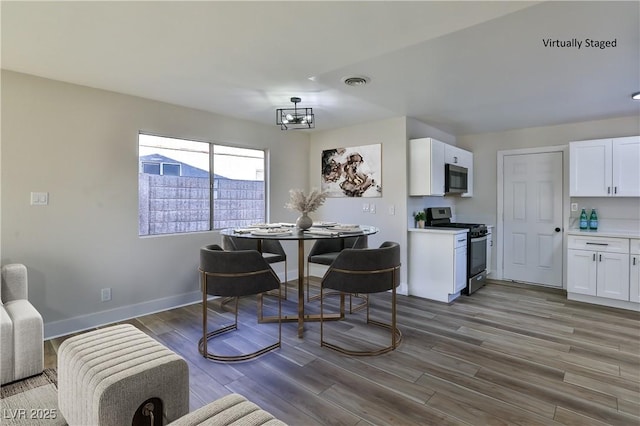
(455, 159)
(615, 189)
(608, 190)
(594, 257)
(600, 257)
(463, 240)
(597, 244)
(634, 261)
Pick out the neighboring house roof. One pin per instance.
(187, 170)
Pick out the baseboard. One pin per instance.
(84, 322)
(603, 301)
(539, 287)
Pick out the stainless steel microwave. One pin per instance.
(455, 179)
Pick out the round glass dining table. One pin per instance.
(300, 236)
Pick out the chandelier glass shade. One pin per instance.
(295, 118)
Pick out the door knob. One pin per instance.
(557, 229)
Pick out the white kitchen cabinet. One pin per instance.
(453, 155)
(626, 173)
(613, 276)
(581, 272)
(634, 270)
(489, 247)
(426, 167)
(437, 263)
(605, 167)
(462, 158)
(460, 268)
(598, 266)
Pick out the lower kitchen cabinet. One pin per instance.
(613, 276)
(489, 248)
(634, 271)
(437, 263)
(582, 272)
(598, 266)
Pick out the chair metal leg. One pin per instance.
(396, 334)
(359, 306)
(206, 335)
(308, 282)
(286, 281)
(352, 309)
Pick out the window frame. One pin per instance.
(213, 187)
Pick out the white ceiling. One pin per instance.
(465, 67)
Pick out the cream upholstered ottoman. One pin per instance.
(231, 409)
(106, 376)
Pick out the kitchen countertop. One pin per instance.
(614, 233)
(439, 230)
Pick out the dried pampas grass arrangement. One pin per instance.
(304, 204)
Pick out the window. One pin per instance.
(151, 168)
(169, 169)
(191, 186)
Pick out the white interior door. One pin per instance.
(532, 199)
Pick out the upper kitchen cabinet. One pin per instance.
(427, 159)
(626, 170)
(605, 167)
(426, 167)
(462, 158)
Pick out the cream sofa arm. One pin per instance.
(21, 346)
(14, 282)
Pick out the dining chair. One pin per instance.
(364, 271)
(271, 250)
(325, 251)
(235, 274)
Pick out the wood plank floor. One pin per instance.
(509, 354)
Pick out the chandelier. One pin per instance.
(294, 118)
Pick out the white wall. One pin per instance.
(80, 145)
(392, 134)
(482, 207)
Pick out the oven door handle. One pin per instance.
(478, 239)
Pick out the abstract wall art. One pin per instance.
(352, 172)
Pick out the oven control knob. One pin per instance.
(557, 229)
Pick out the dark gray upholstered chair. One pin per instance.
(364, 271)
(234, 274)
(272, 251)
(325, 251)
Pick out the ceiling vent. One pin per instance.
(356, 80)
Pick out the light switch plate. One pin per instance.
(39, 198)
(365, 207)
(105, 294)
(372, 208)
(574, 207)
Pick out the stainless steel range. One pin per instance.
(476, 245)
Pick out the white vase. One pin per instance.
(304, 222)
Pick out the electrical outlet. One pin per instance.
(365, 208)
(105, 294)
(372, 208)
(392, 210)
(574, 207)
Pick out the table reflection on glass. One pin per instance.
(300, 236)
